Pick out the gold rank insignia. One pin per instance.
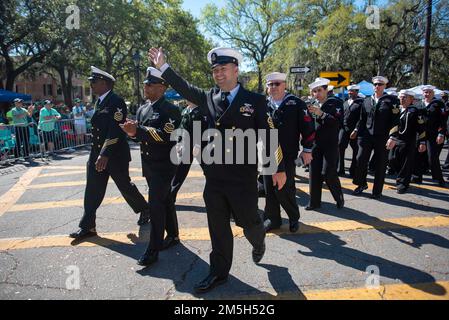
(270, 122)
(420, 120)
(169, 126)
(118, 116)
(395, 110)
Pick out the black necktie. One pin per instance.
(224, 100)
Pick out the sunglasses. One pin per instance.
(379, 84)
(274, 84)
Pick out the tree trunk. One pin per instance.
(259, 73)
(66, 85)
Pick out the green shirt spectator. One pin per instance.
(48, 117)
(19, 116)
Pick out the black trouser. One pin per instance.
(286, 197)
(367, 144)
(222, 198)
(430, 158)
(402, 160)
(162, 205)
(96, 189)
(324, 167)
(22, 138)
(171, 224)
(343, 141)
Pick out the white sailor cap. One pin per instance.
(224, 56)
(276, 76)
(392, 91)
(319, 82)
(48, 102)
(407, 92)
(380, 79)
(154, 76)
(100, 74)
(428, 87)
(445, 92)
(361, 95)
(418, 96)
(18, 100)
(330, 87)
(353, 87)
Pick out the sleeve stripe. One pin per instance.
(108, 143)
(394, 130)
(154, 134)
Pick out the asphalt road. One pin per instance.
(403, 238)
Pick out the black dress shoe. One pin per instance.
(258, 253)
(376, 196)
(144, 217)
(401, 189)
(341, 174)
(340, 204)
(294, 226)
(209, 283)
(83, 234)
(268, 225)
(310, 207)
(170, 242)
(148, 258)
(442, 183)
(359, 190)
(417, 180)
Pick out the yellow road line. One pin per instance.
(10, 198)
(438, 290)
(192, 174)
(202, 234)
(348, 182)
(80, 202)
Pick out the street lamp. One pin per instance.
(136, 59)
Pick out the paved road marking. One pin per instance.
(438, 290)
(390, 186)
(80, 202)
(13, 195)
(198, 174)
(202, 234)
(192, 174)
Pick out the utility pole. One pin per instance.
(425, 75)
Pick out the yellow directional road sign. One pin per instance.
(337, 78)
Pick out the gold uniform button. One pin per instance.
(148, 154)
(218, 124)
(228, 150)
(99, 146)
(233, 128)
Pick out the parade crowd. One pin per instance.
(34, 127)
(388, 133)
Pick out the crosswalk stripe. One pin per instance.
(438, 290)
(8, 199)
(202, 234)
(80, 202)
(192, 174)
(345, 182)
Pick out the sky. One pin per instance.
(195, 6)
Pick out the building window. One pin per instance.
(48, 90)
(59, 91)
(17, 88)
